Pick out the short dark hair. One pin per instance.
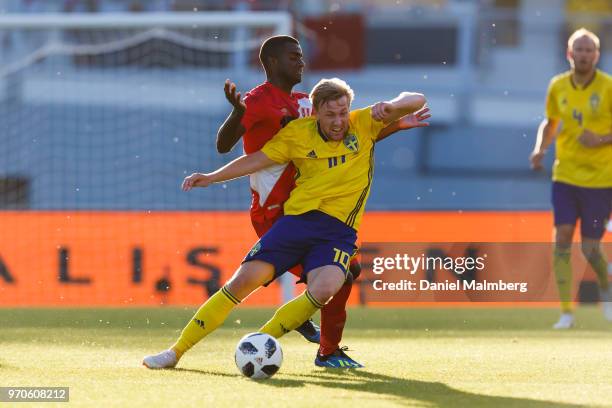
(273, 46)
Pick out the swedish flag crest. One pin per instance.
(351, 142)
(594, 100)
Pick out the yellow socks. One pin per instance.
(211, 315)
(563, 272)
(598, 262)
(216, 309)
(291, 315)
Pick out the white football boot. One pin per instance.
(165, 359)
(566, 321)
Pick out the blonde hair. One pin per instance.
(582, 32)
(330, 90)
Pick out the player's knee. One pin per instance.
(239, 286)
(322, 293)
(591, 250)
(563, 236)
(325, 283)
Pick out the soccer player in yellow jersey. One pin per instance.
(333, 152)
(580, 103)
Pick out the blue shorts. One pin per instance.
(591, 205)
(312, 239)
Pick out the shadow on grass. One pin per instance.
(203, 372)
(405, 390)
(408, 391)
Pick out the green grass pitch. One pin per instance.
(413, 357)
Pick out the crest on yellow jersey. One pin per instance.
(351, 142)
(594, 100)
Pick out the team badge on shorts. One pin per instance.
(351, 142)
(255, 249)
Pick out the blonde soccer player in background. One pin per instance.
(579, 102)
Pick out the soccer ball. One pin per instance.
(258, 355)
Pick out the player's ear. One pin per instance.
(272, 62)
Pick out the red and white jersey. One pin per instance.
(269, 109)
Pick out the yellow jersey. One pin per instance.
(579, 108)
(332, 176)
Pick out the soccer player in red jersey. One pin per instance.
(265, 110)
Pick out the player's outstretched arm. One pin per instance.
(246, 164)
(231, 130)
(417, 119)
(546, 134)
(405, 104)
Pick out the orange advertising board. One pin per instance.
(152, 258)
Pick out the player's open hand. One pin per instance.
(414, 120)
(536, 159)
(233, 97)
(196, 180)
(381, 110)
(590, 139)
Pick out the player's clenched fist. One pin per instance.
(381, 110)
(196, 180)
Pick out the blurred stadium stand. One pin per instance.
(76, 137)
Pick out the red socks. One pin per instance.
(333, 318)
